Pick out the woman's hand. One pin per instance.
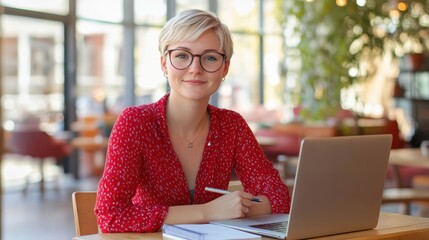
(233, 205)
(237, 204)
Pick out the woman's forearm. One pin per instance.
(186, 214)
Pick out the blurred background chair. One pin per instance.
(285, 146)
(39, 146)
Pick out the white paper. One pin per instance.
(217, 232)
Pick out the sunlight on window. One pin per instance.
(53, 6)
(110, 10)
(150, 12)
(243, 7)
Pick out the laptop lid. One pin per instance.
(338, 188)
(339, 185)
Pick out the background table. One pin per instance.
(409, 157)
(89, 149)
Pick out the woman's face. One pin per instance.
(194, 82)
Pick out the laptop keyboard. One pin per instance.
(276, 226)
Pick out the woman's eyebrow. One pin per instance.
(190, 50)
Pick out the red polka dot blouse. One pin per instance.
(143, 175)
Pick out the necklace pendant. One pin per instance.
(190, 145)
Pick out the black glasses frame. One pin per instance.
(192, 59)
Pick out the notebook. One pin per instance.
(338, 189)
(205, 232)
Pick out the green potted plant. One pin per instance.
(336, 45)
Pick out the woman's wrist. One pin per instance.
(205, 212)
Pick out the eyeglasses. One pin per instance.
(209, 61)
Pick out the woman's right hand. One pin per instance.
(237, 204)
(233, 205)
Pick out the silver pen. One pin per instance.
(221, 191)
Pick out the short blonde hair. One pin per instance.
(189, 25)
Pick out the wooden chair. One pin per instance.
(83, 211)
(235, 185)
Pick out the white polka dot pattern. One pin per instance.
(143, 175)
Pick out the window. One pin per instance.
(34, 63)
(107, 10)
(150, 12)
(49, 6)
(240, 15)
(188, 4)
(240, 90)
(33, 68)
(100, 81)
(150, 81)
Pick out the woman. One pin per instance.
(161, 156)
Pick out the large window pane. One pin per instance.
(188, 4)
(150, 12)
(240, 90)
(106, 10)
(50, 6)
(274, 67)
(271, 12)
(273, 81)
(33, 73)
(150, 82)
(239, 15)
(100, 82)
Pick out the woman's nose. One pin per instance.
(195, 65)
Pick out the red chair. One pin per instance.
(286, 146)
(39, 146)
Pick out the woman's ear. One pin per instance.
(226, 69)
(164, 64)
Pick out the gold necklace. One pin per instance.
(191, 143)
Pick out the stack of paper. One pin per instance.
(204, 232)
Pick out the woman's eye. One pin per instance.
(211, 58)
(182, 56)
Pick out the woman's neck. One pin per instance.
(185, 116)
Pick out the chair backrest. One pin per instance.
(36, 143)
(83, 211)
(235, 185)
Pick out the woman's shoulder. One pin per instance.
(145, 113)
(224, 113)
(136, 112)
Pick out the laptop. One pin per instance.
(338, 189)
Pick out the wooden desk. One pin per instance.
(390, 226)
(410, 157)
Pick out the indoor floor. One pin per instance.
(32, 216)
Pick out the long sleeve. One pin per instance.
(256, 173)
(115, 208)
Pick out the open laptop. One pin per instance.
(338, 188)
